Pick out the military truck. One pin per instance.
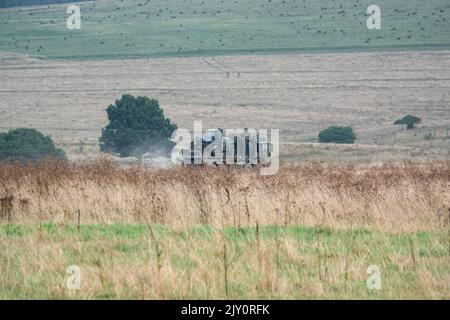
(247, 147)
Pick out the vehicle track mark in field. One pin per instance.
(230, 70)
(218, 65)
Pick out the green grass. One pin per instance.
(295, 262)
(139, 28)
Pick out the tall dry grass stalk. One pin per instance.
(396, 197)
(256, 247)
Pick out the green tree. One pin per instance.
(136, 125)
(409, 120)
(337, 135)
(26, 144)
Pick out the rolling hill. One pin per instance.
(144, 28)
(19, 3)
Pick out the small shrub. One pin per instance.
(409, 120)
(337, 135)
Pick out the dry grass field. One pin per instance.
(390, 197)
(300, 94)
(309, 232)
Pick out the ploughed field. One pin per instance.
(300, 94)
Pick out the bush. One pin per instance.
(136, 125)
(337, 135)
(409, 120)
(27, 145)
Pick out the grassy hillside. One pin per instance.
(140, 28)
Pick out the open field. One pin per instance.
(299, 66)
(391, 197)
(121, 262)
(114, 29)
(311, 231)
(300, 94)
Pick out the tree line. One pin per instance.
(21, 3)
